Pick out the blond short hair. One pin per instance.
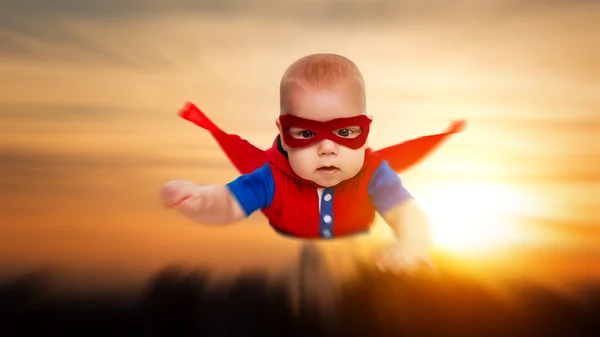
(322, 71)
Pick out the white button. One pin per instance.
(327, 197)
(327, 219)
(327, 233)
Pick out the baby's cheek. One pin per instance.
(300, 162)
(354, 159)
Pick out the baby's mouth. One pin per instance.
(327, 169)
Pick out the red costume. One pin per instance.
(309, 210)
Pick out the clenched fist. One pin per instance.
(176, 192)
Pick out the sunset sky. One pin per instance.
(89, 132)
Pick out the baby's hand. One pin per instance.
(209, 204)
(177, 191)
(405, 258)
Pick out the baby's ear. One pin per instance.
(278, 124)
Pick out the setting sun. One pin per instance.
(474, 216)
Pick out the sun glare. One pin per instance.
(474, 216)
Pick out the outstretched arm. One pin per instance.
(412, 231)
(409, 223)
(212, 204)
(222, 204)
(401, 212)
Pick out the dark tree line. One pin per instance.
(178, 303)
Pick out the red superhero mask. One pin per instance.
(319, 131)
(247, 157)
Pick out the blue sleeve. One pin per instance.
(386, 190)
(255, 190)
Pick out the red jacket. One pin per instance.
(298, 210)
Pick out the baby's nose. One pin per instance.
(326, 146)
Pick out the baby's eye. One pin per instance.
(299, 133)
(348, 132)
(307, 134)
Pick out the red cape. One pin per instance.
(247, 157)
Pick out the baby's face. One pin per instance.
(324, 162)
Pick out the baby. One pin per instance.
(322, 181)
